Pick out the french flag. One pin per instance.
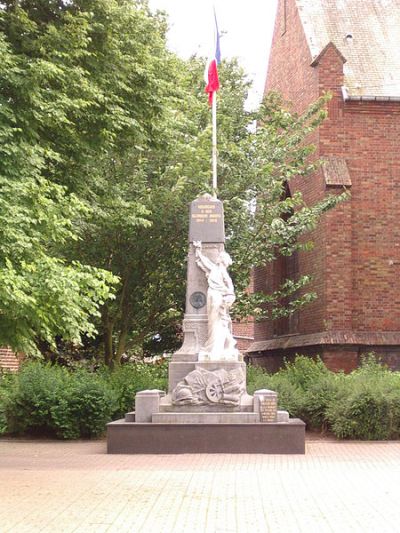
(211, 71)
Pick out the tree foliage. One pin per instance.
(41, 294)
(114, 134)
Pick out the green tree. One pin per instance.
(41, 294)
(79, 85)
(83, 87)
(254, 168)
(96, 110)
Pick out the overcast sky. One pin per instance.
(246, 26)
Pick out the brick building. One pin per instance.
(352, 49)
(8, 360)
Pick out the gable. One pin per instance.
(367, 35)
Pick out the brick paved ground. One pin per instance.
(75, 486)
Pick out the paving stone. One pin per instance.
(341, 487)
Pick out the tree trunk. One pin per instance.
(124, 316)
(108, 327)
(123, 336)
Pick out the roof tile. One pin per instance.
(372, 51)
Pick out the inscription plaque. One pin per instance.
(206, 220)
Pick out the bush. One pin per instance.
(131, 378)
(257, 378)
(364, 414)
(304, 371)
(6, 383)
(317, 398)
(289, 396)
(368, 407)
(303, 386)
(84, 407)
(35, 391)
(362, 405)
(50, 400)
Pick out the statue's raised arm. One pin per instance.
(201, 260)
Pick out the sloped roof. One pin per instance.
(367, 34)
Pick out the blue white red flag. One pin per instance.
(211, 71)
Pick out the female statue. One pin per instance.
(220, 344)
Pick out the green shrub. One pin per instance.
(35, 392)
(257, 378)
(393, 399)
(131, 378)
(50, 400)
(318, 397)
(6, 383)
(364, 414)
(362, 405)
(289, 397)
(368, 406)
(84, 407)
(304, 371)
(46, 399)
(304, 387)
(370, 366)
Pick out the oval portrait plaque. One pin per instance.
(198, 299)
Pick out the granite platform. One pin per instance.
(175, 438)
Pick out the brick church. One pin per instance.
(350, 48)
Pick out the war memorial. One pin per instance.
(207, 408)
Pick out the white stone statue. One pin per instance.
(220, 344)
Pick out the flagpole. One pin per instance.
(214, 143)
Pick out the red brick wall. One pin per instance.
(371, 138)
(362, 235)
(8, 359)
(356, 258)
(289, 73)
(288, 70)
(337, 222)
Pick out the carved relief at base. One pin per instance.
(202, 387)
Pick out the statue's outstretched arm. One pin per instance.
(202, 261)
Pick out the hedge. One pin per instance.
(49, 400)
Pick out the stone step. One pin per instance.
(206, 418)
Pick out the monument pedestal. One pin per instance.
(207, 408)
(154, 438)
(252, 424)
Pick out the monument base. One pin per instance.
(160, 427)
(171, 438)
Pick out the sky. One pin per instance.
(246, 27)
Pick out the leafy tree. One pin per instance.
(42, 295)
(74, 75)
(254, 168)
(84, 86)
(118, 132)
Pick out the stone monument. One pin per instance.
(207, 408)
